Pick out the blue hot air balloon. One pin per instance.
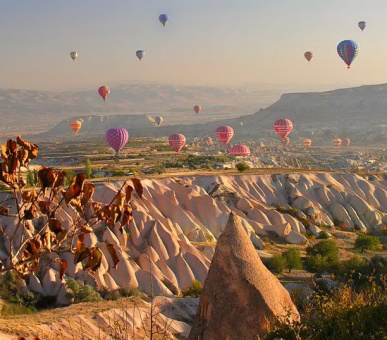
(140, 54)
(163, 19)
(348, 50)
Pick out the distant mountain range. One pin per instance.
(359, 113)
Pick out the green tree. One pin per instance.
(30, 179)
(88, 169)
(367, 242)
(242, 167)
(277, 264)
(292, 259)
(326, 249)
(194, 291)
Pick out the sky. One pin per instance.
(229, 43)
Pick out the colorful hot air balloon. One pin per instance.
(75, 126)
(283, 127)
(285, 141)
(346, 142)
(307, 142)
(348, 50)
(176, 141)
(197, 108)
(74, 55)
(308, 55)
(163, 19)
(140, 54)
(240, 150)
(104, 92)
(336, 142)
(362, 25)
(158, 120)
(224, 134)
(117, 138)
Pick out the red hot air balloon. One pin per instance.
(346, 142)
(104, 92)
(285, 142)
(75, 126)
(176, 141)
(336, 142)
(197, 108)
(283, 127)
(224, 134)
(307, 142)
(240, 150)
(117, 138)
(308, 56)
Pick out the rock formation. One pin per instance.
(241, 298)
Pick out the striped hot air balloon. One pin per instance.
(224, 134)
(346, 142)
(283, 127)
(307, 142)
(348, 50)
(308, 55)
(285, 141)
(104, 92)
(240, 150)
(176, 141)
(117, 138)
(75, 126)
(197, 108)
(336, 142)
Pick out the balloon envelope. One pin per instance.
(104, 92)
(308, 55)
(140, 54)
(224, 134)
(176, 141)
(75, 126)
(345, 142)
(158, 120)
(117, 138)
(336, 142)
(283, 127)
(240, 150)
(197, 108)
(307, 142)
(74, 55)
(163, 19)
(348, 50)
(362, 25)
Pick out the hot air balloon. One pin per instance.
(240, 150)
(336, 142)
(74, 55)
(140, 54)
(158, 120)
(197, 108)
(104, 92)
(307, 142)
(346, 142)
(208, 140)
(176, 141)
(283, 127)
(285, 141)
(117, 138)
(163, 19)
(241, 123)
(224, 134)
(75, 126)
(362, 25)
(308, 55)
(348, 50)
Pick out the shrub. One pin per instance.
(82, 292)
(88, 169)
(367, 242)
(277, 264)
(317, 264)
(326, 248)
(323, 235)
(194, 291)
(242, 167)
(292, 259)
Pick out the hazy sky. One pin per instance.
(209, 42)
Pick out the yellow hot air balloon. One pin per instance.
(307, 142)
(75, 126)
(336, 142)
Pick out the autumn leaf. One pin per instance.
(137, 186)
(113, 254)
(126, 215)
(94, 260)
(62, 268)
(30, 213)
(29, 196)
(128, 192)
(61, 175)
(46, 239)
(44, 207)
(114, 214)
(22, 156)
(4, 211)
(47, 177)
(88, 192)
(81, 252)
(120, 200)
(55, 225)
(75, 189)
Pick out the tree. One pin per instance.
(326, 249)
(30, 179)
(88, 169)
(242, 167)
(292, 259)
(277, 264)
(367, 242)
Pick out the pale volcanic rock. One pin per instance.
(34, 284)
(258, 216)
(338, 212)
(51, 283)
(294, 223)
(258, 297)
(281, 230)
(275, 217)
(295, 238)
(244, 205)
(150, 284)
(123, 274)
